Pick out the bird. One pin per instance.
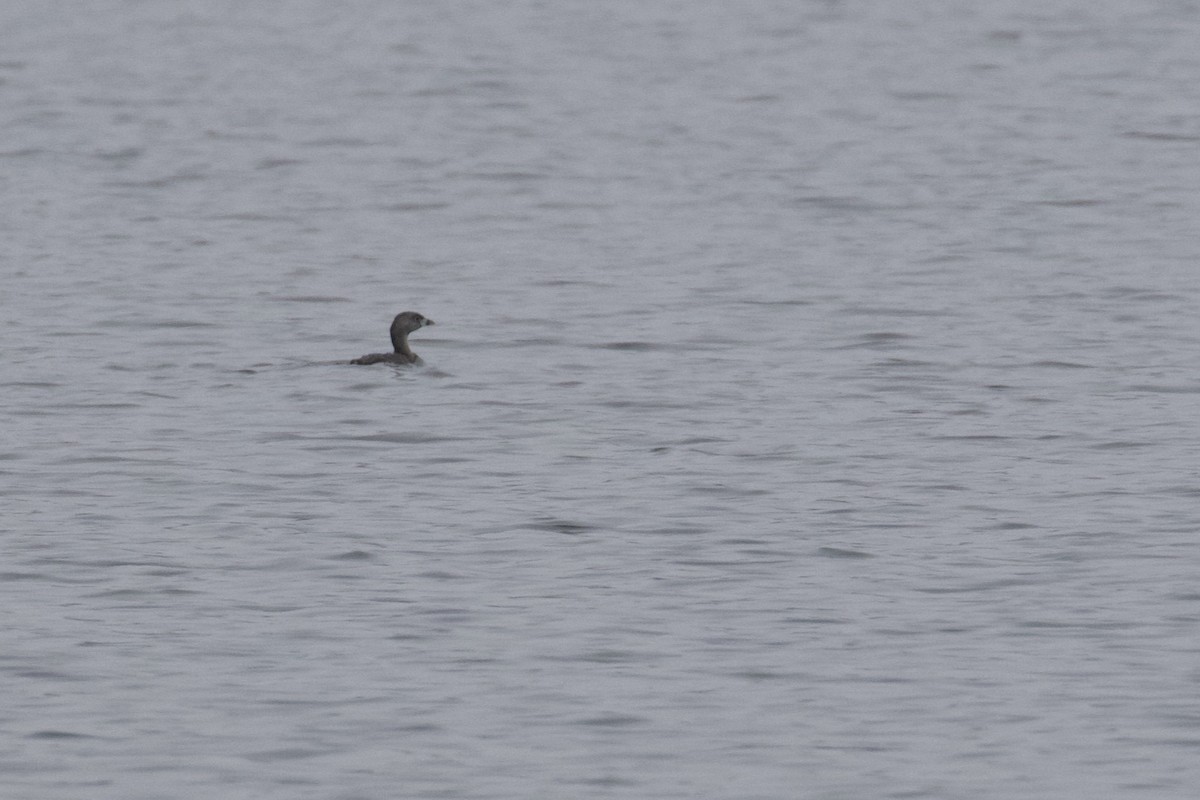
(405, 323)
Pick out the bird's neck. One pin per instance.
(401, 344)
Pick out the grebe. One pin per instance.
(405, 323)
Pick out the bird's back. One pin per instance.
(384, 358)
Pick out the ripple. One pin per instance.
(569, 527)
(57, 734)
(838, 552)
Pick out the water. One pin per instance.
(811, 410)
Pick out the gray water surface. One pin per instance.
(811, 413)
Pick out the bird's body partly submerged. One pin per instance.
(405, 323)
(386, 358)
